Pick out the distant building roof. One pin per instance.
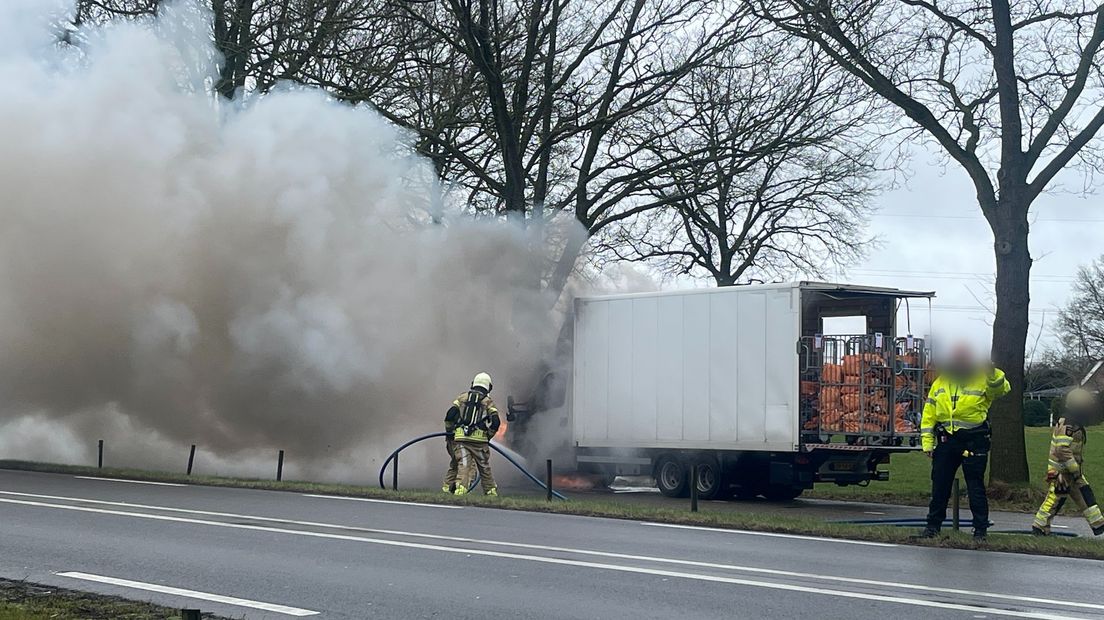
(1049, 392)
(1093, 380)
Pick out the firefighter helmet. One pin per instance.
(482, 380)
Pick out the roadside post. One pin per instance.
(693, 487)
(956, 504)
(548, 479)
(395, 473)
(99, 458)
(280, 466)
(191, 459)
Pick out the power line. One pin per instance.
(980, 218)
(950, 275)
(956, 273)
(979, 309)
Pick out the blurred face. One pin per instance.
(1081, 408)
(1080, 414)
(962, 362)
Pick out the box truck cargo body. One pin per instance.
(744, 384)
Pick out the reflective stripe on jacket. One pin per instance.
(1066, 448)
(959, 406)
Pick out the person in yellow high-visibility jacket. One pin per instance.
(1065, 474)
(954, 432)
(474, 420)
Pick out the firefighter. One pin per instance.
(955, 433)
(449, 485)
(474, 420)
(1064, 468)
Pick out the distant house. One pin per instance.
(1092, 381)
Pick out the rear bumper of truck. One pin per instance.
(845, 464)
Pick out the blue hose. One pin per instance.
(406, 445)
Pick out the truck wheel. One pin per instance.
(671, 477)
(711, 480)
(781, 492)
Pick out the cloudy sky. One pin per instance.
(935, 238)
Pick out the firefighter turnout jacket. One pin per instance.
(959, 405)
(1067, 443)
(1066, 480)
(473, 417)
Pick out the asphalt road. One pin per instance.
(281, 554)
(1070, 521)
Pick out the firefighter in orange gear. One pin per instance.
(474, 421)
(1065, 474)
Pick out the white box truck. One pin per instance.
(745, 384)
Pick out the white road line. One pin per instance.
(160, 484)
(203, 596)
(771, 534)
(380, 501)
(772, 585)
(605, 554)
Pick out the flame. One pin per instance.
(577, 482)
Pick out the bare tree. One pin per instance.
(600, 111)
(263, 42)
(783, 176)
(530, 108)
(563, 89)
(1013, 95)
(1081, 322)
(354, 49)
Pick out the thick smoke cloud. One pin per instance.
(174, 270)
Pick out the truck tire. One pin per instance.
(671, 476)
(711, 479)
(781, 492)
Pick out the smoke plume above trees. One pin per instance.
(280, 273)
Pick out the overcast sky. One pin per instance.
(935, 238)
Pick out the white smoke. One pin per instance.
(174, 270)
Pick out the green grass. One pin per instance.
(20, 600)
(1066, 547)
(910, 482)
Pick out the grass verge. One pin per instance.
(1064, 547)
(20, 600)
(910, 483)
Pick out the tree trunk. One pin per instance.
(557, 281)
(1010, 328)
(233, 31)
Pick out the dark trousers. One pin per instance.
(947, 458)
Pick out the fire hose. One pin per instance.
(513, 462)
